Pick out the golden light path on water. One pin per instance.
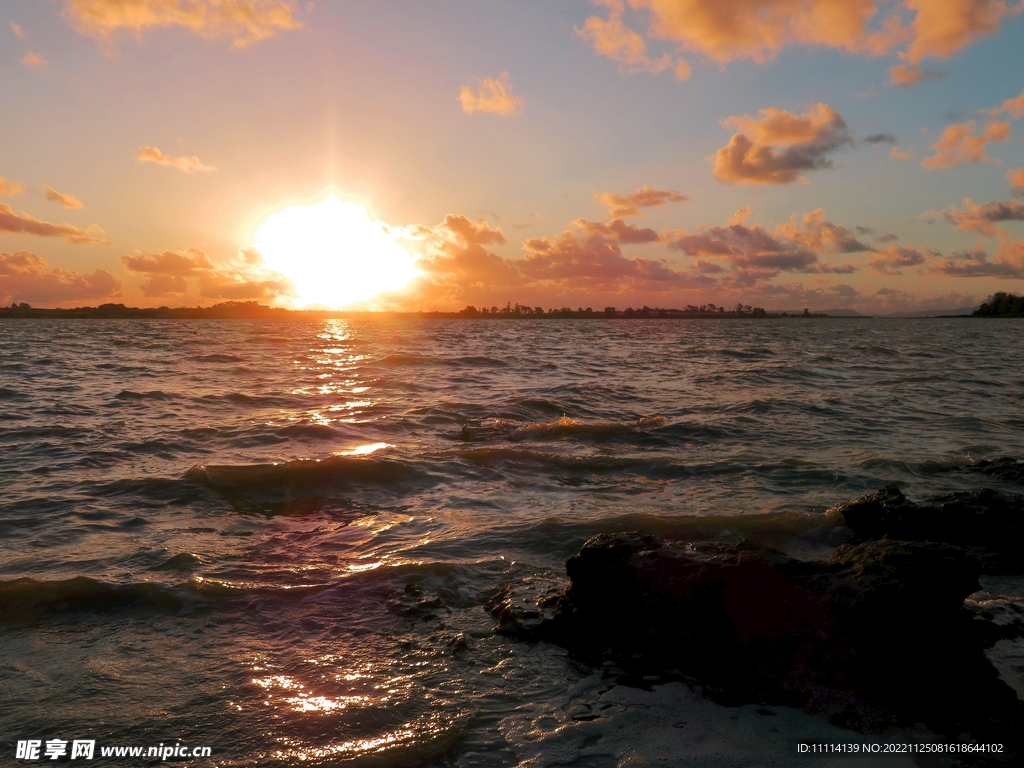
(333, 253)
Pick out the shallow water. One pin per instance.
(277, 539)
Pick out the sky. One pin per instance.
(862, 154)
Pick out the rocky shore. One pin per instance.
(876, 637)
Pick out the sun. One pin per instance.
(333, 253)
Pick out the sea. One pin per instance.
(275, 541)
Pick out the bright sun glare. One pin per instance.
(333, 253)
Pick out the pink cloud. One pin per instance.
(960, 144)
(493, 95)
(1008, 263)
(727, 30)
(624, 206)
(982, 218)
(28, 277)
(614, 40)
(1016, 178)
(244, 21)
(893, 259)
(167, 274)
(779, 146)
(183, 164)
(65, 201)
(10, 188)
(24, 223)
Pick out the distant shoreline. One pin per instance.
(253, 311)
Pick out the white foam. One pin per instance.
(604, 725)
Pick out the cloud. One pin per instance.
(31, 59)
(167, 275)
(758, 255)
(943, 27)
(896, 154)
(65, 201)
(623, 206)
(1014, 107)
(1016, 178)
(906, 76)
(982, 218)
(191, 263)
(233, 288)
(10, 188)
(28, 277)
(23, 222)
(244, 21)
(779, 146)
(18, 33)
(880, 138)
(614, 40)
(493, 96)
(727, 30)
(1008, 263)
(619, 231)
(819, 235)
(166, 272)
(595, 262)
(183, 164)
(959, 144)
(458, 257)
(892, 260)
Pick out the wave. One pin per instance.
(307, 484)
(155, 394)
(10, 394)
(407, 360)
(27, 600)
(220, 359)
(564, 427)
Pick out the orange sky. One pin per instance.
(781, 153)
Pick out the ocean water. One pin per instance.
(277, 539)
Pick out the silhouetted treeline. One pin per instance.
(691, 310)
(251, 310)
(1001, 305)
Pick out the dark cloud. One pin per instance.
(982, 218)
(892, 260)
(1008, 262)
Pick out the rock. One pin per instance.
(875, 637)
(1002, 468)
(990, 524)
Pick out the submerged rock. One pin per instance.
(875, 637)
(988, 523)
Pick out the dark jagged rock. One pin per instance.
(876, 637)
(1002, 468)
(988, 523)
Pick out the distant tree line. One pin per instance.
(690, 310)
(1001, 305)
